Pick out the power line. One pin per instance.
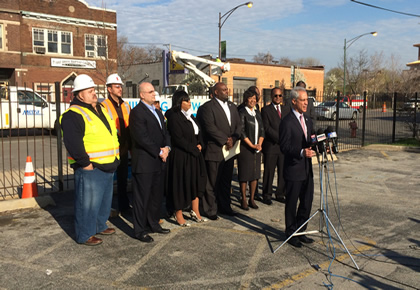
(382, 8)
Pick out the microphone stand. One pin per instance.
(323, 219)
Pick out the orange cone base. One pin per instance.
(29, 190)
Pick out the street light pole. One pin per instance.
(226, 16)
(347, 44)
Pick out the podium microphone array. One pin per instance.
(324, 140)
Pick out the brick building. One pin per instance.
(47, 41)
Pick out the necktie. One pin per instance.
(302, 123)
(278, 110)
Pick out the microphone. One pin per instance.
(320, 138)
(332, 135)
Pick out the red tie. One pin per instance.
(278, 110)
(302, 123)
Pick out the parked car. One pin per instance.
(411, 104)
(314, 101)
(327, 110)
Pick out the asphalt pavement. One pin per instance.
(372, 199)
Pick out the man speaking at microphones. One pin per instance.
(295, 143)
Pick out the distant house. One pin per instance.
(53, 41)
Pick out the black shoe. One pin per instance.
(213, 217)
(295, 242)
(305, 239)
(161, 231)
(281, 199)
(145, 238)
(267, 201)
(252, 204)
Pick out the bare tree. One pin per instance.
(266, 58)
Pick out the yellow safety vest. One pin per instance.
(112, 112)
(101, 146)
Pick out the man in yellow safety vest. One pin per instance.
(91, 141)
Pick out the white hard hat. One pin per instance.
(114, 79)
(82, 82)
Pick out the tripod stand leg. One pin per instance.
(296, 232)
(338, 236)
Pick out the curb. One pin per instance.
(26, 203)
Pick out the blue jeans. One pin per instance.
(92, 202)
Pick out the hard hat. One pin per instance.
(82, 82)
(114, 79)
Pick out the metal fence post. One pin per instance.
(59, 137)
(364, 118)
(394, 117)
(337, 112)
(415, 116)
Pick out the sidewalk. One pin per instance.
(378, 193)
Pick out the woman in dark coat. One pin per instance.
(249, 159)
(187, 171)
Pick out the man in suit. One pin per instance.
(295, 130)
(310, 111)
(150, 149)
(221, 124)
(273, 157)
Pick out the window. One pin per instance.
(38, 37)
(95, 45)
(52, 41)
(65, 42)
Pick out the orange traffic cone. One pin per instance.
(29, 184)
(384, 108)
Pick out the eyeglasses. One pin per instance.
(118, 86)
(278, 96)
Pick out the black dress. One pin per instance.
(249, 161)
(186, 167)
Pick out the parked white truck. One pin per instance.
(22, 108)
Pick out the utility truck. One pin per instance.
(22, 108)
(187, 61)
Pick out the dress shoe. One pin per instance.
(244, 205)
(252, 204)
(108, 231)
(182, 225)
(195, 218)
(161, 231)
(281, 199)
(213, 217)
(145, 238)
(93, 241)
(295, 242)
(267, 201)
(305, 239)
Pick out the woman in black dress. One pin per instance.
(249, 159)
(187, 172)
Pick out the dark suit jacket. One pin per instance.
(147, 138)
(292, 141)
(216, 129)
(271, 121)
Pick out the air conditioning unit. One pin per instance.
(39, 49)
(90, 54)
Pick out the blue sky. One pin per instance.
(285, 28)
